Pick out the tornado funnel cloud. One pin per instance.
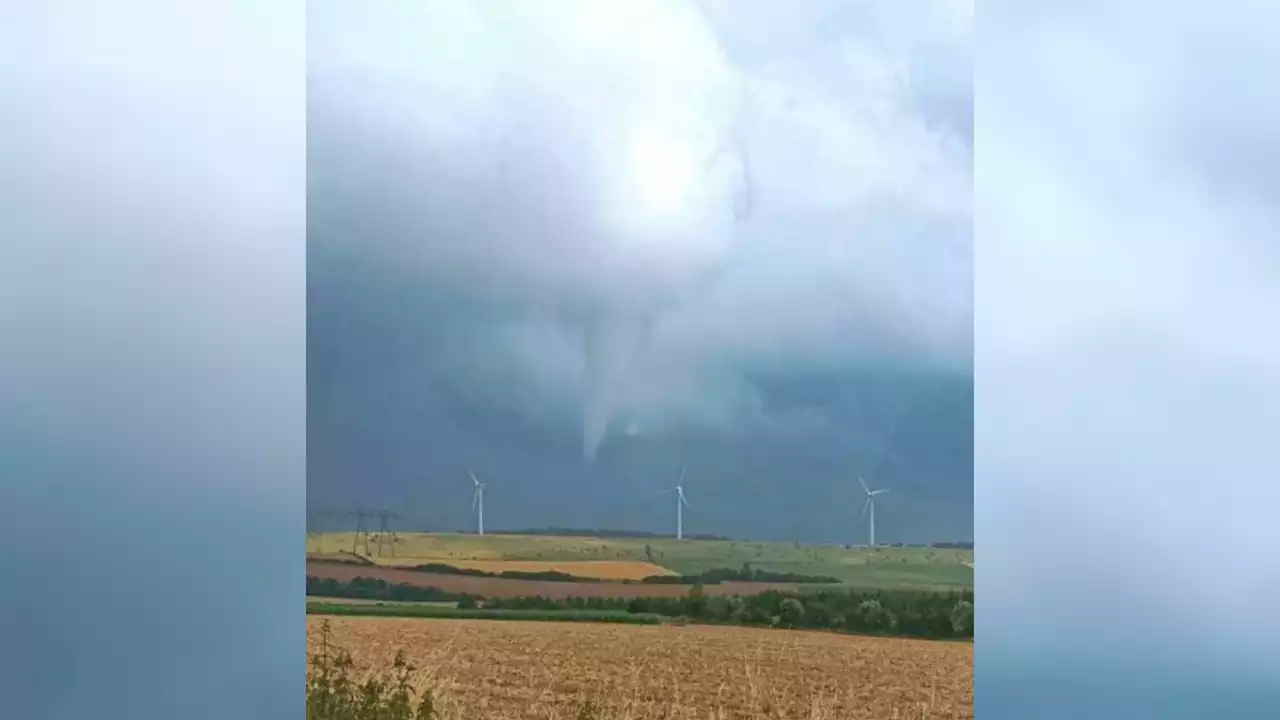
(609, 348)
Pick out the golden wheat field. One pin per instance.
(503, 670)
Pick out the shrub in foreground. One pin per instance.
(333, 695)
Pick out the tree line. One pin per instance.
(936, 615)
(714, 576)
(746, 573)
(905, 613)
(551, 575)
(363, 588)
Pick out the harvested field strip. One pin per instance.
(596, 569)
(503, 587)
(406, 610)
(507, 670)
(316, 599)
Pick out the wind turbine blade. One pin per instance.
(473, 478)
(681, 480)
(475, 498)
(865, 506)
(864, 484)
(683, 500)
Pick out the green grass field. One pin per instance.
(317, 600)
(881, 567)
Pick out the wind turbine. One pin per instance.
(871, 505)
(477, 502)
(681, 504)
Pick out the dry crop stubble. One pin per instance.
(547, 670)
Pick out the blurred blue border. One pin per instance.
(1127, 379)
(152, 360)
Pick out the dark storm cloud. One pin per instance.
(477, 213)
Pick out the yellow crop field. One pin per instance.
(450, 547)
(595, 569)
(506, 669)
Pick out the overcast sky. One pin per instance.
(758, 226)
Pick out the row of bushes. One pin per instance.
(907, 613)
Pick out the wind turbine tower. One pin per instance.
(871, 505)
(477, 503)
(681, 504)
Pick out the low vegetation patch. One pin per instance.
(332, 693)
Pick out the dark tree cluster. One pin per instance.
(362, 588)
(901, 613)
(745, 574)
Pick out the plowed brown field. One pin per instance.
(507, 670)
(502, 587)
(597, 569)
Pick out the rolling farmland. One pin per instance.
(506, 663)
(548, 670)
(881, 567)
